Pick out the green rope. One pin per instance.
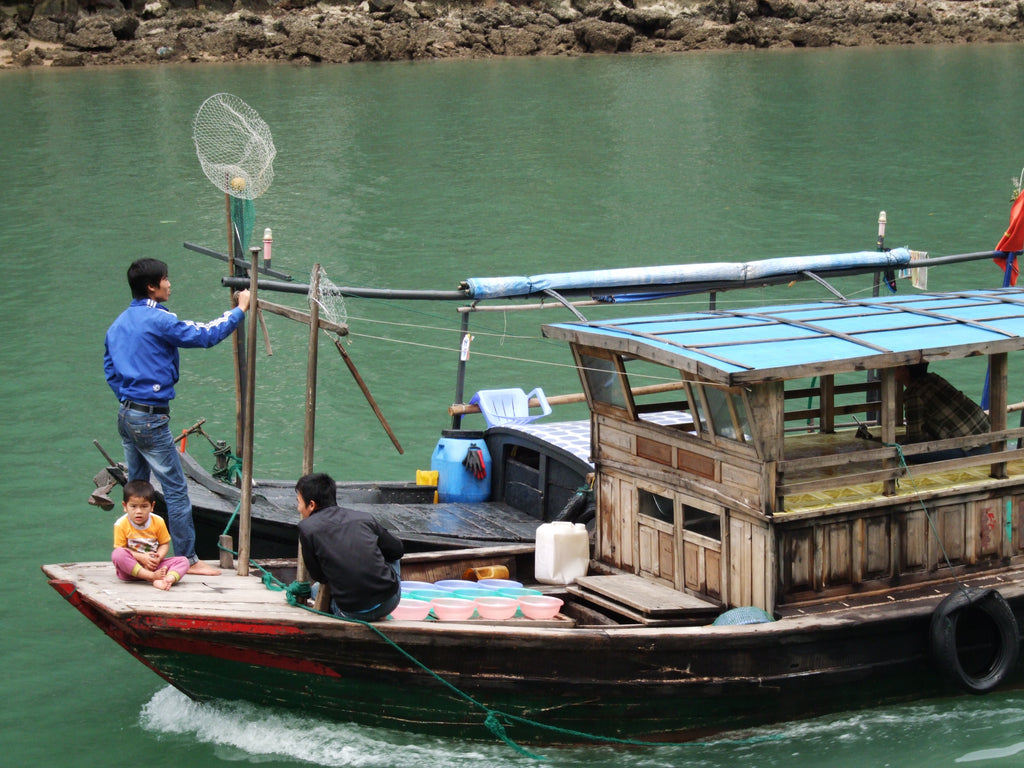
(931, 520)
(230, 474)
(495, 720)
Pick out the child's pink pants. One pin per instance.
(125, 562)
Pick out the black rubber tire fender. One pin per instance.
(944, 638)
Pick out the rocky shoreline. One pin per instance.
(71, 33)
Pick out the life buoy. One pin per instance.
(979, 652)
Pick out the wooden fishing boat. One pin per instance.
(752, 560)
(539, 467)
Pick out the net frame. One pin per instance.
(329, 298)
(234, 146)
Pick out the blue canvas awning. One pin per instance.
(685, 277)
(798, 340)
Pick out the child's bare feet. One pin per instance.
(163, 584)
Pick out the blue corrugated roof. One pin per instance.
(827, 337)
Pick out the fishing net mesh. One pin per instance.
(332, 303)
(243, 217)
(234, 146)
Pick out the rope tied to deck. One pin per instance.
(298, 592)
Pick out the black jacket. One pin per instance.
(350, 551)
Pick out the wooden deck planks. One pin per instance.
(228, 596)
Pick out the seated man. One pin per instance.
(936, 410)
(349, 551)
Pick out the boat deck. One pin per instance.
(403, 508)
(228, 596)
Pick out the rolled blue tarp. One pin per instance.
(681, 274)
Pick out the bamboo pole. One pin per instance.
(245, 505)
(311, 368)
(366, 393)
(574, 397)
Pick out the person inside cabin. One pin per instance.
(348, 550)
(936, 410)
(140, 361)
(142, 541)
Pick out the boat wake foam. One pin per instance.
(246, 732)
(241, 732)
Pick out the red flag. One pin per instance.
(1013, 240)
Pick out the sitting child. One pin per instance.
(141, 540)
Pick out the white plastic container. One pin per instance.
(562, 554)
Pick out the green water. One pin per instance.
(420, 175)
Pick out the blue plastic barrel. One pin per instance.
(454, 481)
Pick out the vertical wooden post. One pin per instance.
(827, 404)
(311, 369)
(997, 403)
(889, 416)
(245, 505)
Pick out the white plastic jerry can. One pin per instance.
(562, 553)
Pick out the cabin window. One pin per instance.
(721, 411)
(659, 393)
(702, 523)
(604, 380)
(726, 413)
(659, 507)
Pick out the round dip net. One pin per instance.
(332, 303)
(234, 146)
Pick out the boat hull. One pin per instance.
(551, 683)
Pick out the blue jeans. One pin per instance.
(149, 448)
(377, 611)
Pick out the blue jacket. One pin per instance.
(141, 355)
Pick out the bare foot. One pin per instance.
(200, 568)
(164, 584)
(159, 573)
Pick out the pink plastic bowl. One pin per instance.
(539, 606)
(452, 608)
(496, 608)
(411, 610)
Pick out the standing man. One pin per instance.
(348, 550)
(141, 364)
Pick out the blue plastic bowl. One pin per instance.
(409, 586)
(453, 584)
(500, 584)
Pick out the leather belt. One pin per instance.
(164, 409)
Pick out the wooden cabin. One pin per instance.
(728, 465)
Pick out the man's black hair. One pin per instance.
(917, 370)
(319, 488)
(144, 273)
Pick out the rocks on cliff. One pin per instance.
(95, 32)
